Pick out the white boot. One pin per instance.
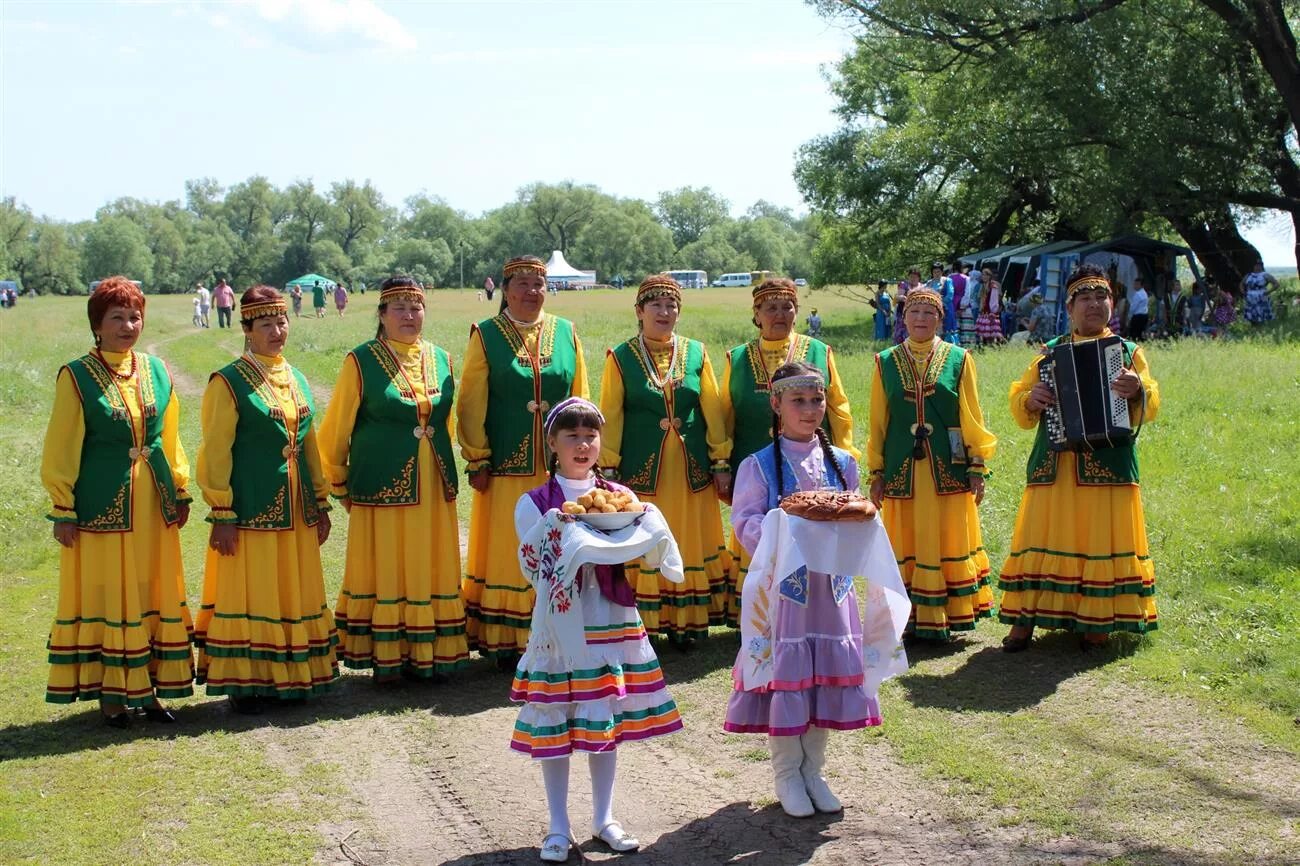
(787, 755)
(814, 760)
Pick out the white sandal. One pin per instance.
(555, 851)
(618, 839)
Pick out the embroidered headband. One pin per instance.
(261, 309)
(658, 286)
(797, 383)
(777, 288)
(523, 264)
(565, 404)
(394, 292)
(919, 296)
(1087, 284)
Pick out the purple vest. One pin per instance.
(611, 578)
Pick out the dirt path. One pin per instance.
(182, 381)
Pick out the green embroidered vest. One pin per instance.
(262, 450)
(384, 457)
(750, 394)
(923, 394)
(1104, 466)
(648, 425)
(103, 491)
(520, 392)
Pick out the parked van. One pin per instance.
(741, 279)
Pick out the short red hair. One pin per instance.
(113, 292)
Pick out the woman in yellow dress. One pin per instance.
(518, 364)
(265, 631)
(926, 451)
(665, 437)
(1079, 557)
(747, 397)
(386, 448)
(117, 477)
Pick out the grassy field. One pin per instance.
(1109, 747)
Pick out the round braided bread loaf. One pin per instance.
(828, 505)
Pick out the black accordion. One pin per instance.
(1087, 414)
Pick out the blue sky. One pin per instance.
(468, 101)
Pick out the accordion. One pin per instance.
(1087, 414)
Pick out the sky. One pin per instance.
(468, 101)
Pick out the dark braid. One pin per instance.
(776, 447)
(829, 454)
(553, 464)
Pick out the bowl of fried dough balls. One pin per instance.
(605, 510)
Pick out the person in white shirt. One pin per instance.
(205, 302)
(1138, 309)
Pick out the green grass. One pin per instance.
(1220, 473)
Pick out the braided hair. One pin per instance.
(800, 368)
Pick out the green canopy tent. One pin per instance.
(306, 281)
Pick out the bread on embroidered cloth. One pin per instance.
(828, 505)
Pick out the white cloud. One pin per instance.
(335, 18)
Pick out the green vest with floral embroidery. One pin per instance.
(648, 428)
(103, 490)
(1104, 466)
(260, 455)
(384, 456)
(749, 392)
(927, 393)
(519, 392)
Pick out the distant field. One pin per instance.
(1107, 751)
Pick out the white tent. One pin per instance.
(560, 271)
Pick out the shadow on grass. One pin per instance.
(992, 680)
(480, 687)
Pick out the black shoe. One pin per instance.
(507, 662)
(121, 721)
(248, 706)
(160, 714)
(1016, 644)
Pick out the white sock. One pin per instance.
(555, 776)
(603, 765)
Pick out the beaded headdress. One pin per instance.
(658, 286)
(1090, 283)
(920, 295)
(401, 290)
(523, 264)
(796, 383)
(261, 309)
(778, 287)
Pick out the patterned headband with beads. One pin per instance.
(923, 296)
(658, 286)
(1087, 284)
(394, 292)
(261, 309)
(565, 404)
(775, 289)
(524, 264)
(797, 383)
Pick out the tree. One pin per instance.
(624, 238)
(688, 212)
(250, 210)
(116, 245)
(714, 254)
(428, 261)
(16, 225)
(358, 214)
(560, 210)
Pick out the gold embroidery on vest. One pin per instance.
(402, 488)
(519, 459)
(114, 517)
(274, 513)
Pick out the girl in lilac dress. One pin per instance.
(817, 681)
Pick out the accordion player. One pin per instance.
(1086, 414)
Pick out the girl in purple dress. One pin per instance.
(817, 679)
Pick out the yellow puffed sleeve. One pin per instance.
(979, 440)
(580, 386)
(472, 402)
(217, 419)
(724, 392)
(61, 458)
(319, 483)
(612, 395)
(715, 406)
(878, 423)
(1020, 393)
(1149, 385)
(335, 435)
(174, 450)
(837, 408)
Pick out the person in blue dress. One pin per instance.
(942, 286)
(884, 312)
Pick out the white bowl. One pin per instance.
(607, 522)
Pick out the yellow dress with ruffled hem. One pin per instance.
(838, 412)
(937, 539)
(400, 607)
(265, 628)
(1079, 556)
(498, 600)
(122, 631)
(677, 610)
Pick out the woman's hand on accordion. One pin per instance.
(1040, 397)
(1127, 384)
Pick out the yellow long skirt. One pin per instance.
(729, 603)
(400, 606)
(498, 600)
(122, 632)
(940, 553)
(1079, 559)
(685, 610)
(265, 629)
